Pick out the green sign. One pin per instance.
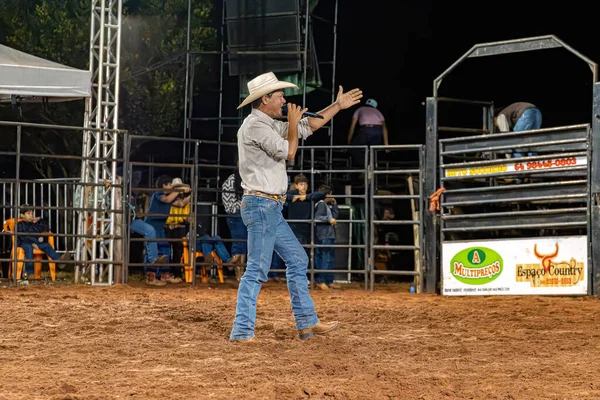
(476, 266)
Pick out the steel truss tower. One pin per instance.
(101, 202)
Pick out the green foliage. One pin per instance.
(154, 39)
(57, 30)
(153, 60)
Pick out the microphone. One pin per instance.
(284, 110)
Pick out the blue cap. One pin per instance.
(371, 102)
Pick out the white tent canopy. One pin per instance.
(33, 78)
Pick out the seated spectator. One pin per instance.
(159, 209)
(31, 224)
(177, 225)
(152, 255)
(207, 244)
(232, 200)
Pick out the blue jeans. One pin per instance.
(276, 263)
(208, 244)
(43, 246)
(148, 232)
(238, 231)
(268, 230)
(324, 260)
(530, 119)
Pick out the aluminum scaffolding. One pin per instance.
(101, 185)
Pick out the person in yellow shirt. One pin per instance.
(178, 222)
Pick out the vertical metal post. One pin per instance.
(422, 205)
(594, 200)
(187, 78)
(127, 212)
(17, 203)
(368, 180)
(430, 222)
(333, 77)
(371, 216)
(304, 64)
(194, 210)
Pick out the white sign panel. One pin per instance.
(550, 265)
(517, 166)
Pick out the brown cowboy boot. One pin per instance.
(320, 328)
(239, 270)
(152, 281)
(235, 259)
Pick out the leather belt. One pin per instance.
(371, 126)
(173, 226)
(275, 197)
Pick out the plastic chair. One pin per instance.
(189, 270)
(9, 226)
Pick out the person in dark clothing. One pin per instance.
(299, 206)
(31, 224)
(326, 214)
(208, 244)
(518, 117)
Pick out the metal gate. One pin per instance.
(512, 225)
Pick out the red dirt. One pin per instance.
(127, 341)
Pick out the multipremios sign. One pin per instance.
(476, 266)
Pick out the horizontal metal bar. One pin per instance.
(396, 222)
(513, 193)
(396, 147)
(395, 247)
(397, 171)
(157, 164)
(397, 196)
(571, 144)
(518, 226)
(394, 272)
(557, 129)
(162, 138)
(514, 200)
(463, 101)
(462, 130)
(526, 213)
(60, 127)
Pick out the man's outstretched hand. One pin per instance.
(348, 99)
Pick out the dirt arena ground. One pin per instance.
(131, 341)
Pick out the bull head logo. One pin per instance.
(546, 259)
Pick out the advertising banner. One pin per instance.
(550, 265)
(512, 166)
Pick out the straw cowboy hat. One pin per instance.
(177, 182)
(264, 84)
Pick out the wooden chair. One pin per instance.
(189, 268)
(9, 226)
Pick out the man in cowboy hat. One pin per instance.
(264, 145)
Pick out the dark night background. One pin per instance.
(394, 51)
